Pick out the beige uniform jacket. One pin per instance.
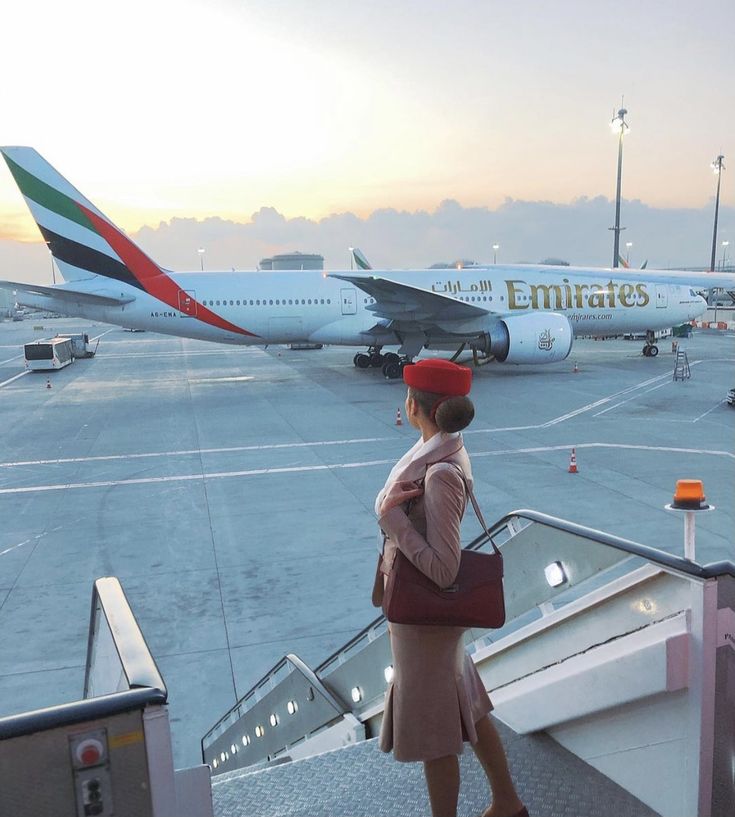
(436, 696)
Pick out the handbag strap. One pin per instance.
(471, 494)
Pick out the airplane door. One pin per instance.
(662, 296)
(188, 303)
(349, 301)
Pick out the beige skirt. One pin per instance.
(436, 696)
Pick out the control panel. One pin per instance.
(90, 762)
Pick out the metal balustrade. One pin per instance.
(358, 673)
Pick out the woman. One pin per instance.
(436, 700)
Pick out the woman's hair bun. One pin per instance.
(454, 414)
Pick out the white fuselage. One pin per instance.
(308, 306)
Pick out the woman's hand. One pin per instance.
(398, 493)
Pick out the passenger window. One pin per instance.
(322, 300)
(328, 301)
(217, 303)
(270, 303)
(238, 303)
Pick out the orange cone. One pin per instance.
(48, 383)
(399, 421)
(573, 462)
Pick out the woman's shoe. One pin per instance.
(522, 813)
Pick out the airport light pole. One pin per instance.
(619, 126)
(201, 257)
(496, 247)
(725, 245)
(628, 245)
(718, 167)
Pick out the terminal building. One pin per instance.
(292, 261)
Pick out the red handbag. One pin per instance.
(474, 600)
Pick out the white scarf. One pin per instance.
(419, 449)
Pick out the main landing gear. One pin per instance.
(391, 363)
(650, 349)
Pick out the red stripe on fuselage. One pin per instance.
(149, 274)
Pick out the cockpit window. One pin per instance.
(693, 292)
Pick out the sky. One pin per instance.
(418, 130)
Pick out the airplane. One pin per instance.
(511, 314)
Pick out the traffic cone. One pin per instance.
(399, 421)
(48, 383)
(573, 462)
(576, 368)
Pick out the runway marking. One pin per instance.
(709, 410)
(295, 469)
(182, 353)
(635, 396)
(241, 379)
(198, 451)
(32, 539)
(22, 374)
(10, 359)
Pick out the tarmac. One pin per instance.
(231, 491)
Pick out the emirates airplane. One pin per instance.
(511, 314)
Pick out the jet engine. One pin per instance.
(538, 337)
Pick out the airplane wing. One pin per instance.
(67, 295)
(696, 280)
(404, 302)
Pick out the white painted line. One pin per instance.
(22, 374)
(634, 397)
(696, 419)
(182, 353)
(198, 451)
(629, 446)
(10, 359)
(32, 539)
(191, 477)
(241, 379)
(255, 472)
(14, 547)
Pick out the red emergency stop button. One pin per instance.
(90, 752)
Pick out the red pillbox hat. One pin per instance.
(439, 377)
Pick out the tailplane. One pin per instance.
(82, 240)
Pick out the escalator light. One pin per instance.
(388, 673)
(356, 694)
(555, 574)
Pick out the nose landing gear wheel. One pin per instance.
(650, 351)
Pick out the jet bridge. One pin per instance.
(110, 753)
(622, 653)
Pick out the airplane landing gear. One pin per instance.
(373, 358)
(650, 349)
(393, 366)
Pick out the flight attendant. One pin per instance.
(436, 700)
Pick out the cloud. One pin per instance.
(527, 231)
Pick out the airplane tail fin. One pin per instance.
(82, 240)
(360, 261)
